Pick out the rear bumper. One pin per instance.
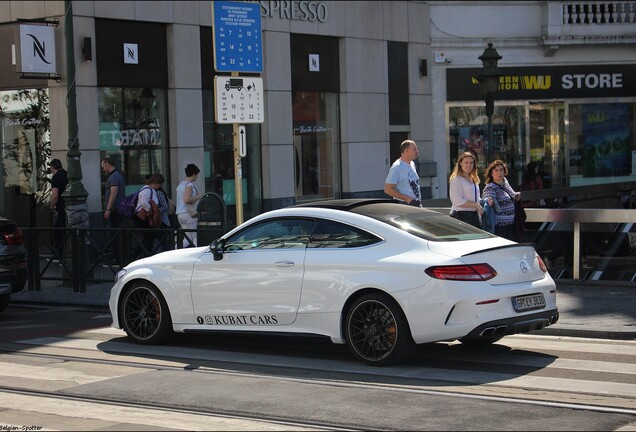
(508, 326)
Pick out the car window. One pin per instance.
(426, 224)
(330, 234)
(272, 234)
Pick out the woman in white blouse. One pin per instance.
(464, 190)
(187, 194)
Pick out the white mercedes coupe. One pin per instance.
(374, 274)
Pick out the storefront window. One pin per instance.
(468, 131)
(316, 139)
(133, 131)
(601, 146)
(25, 151)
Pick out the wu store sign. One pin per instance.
(36, 53)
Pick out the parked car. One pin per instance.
(375, 274)
(13, 261)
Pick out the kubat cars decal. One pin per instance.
(238, 320)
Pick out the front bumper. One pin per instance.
(513, 325)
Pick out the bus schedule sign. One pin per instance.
(237, 37)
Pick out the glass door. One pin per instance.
(316, 146)
(547, 140)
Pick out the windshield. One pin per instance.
(426, 224)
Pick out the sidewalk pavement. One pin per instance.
(591, 309)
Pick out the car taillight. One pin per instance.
(542, 265)
(473, 272)
(13, 238)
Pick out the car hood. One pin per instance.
(172, 257)
(513, 262)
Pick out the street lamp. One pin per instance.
(488, 80)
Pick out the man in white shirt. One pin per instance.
(403, 181)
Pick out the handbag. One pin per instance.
(520, 219)
(192, 210)
(153, 217)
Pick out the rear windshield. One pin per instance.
(426, 224)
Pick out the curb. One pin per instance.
(588, 334)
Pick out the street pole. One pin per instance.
(74, 195)
(238, 171)
(490, 109)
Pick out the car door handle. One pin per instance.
(284, 263)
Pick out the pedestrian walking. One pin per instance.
(59, 181)
(114, 193)
(187, 197)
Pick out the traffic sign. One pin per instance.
(237, 37)
(238, 99)
(242, 143)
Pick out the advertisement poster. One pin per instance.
(606, 140)
(472, 139)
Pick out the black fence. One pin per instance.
(77, 257)
(80, 256)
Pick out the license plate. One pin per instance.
(528, 302)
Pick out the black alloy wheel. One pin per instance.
(145, 315)
(377, 331)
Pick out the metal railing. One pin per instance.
(576, 217)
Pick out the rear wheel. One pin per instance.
(145, 315)
(377, 331)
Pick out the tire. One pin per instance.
(144, 314)
(377, 332)
(4, 301)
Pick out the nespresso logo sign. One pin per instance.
(546, 82)
(295, 10)
(36, 53)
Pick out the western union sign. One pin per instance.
(557, 82)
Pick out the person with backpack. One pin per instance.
(148, 216)
(114, 193)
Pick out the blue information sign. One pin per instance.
(237, 37)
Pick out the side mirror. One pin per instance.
(217, 248)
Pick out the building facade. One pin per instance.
(566, 99)
(344, 84)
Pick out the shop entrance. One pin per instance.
(547, 142)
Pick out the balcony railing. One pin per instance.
(598, 12)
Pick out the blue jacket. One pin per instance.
(489, 218)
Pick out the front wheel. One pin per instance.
(145, 315)
(377, 331)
